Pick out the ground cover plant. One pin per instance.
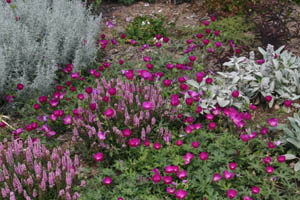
(163, 126)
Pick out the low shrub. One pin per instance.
(277, 21)
(201, 166)
(118, 114)
(144, 28)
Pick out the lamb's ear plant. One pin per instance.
(292, 130)
(276, 75)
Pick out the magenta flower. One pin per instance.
(109, 24)
(259, 62)
(228, 175)
(42, 99)
(182, 174)
(203, 156)
(112, 91)
(195, 144)
(167, 180)
(216, 177)
(210, 50)
(156, 178)
(123, 35)
(20, 86)
(231, 193)
(179, 143)
(205, 41)
(109, 112)
(147, 59)
(267, 160)
(232, 165)
(209, 116)
(169, 169)
(247, 198)
(98, 157)
(134, 142)
(208, 80)
(107, 181)
(252, 107)
(281, 158)
(269, 169)
(175, 100)
(235, 94)
(188, 158)
(255, 190)
(264, 131)
(211, 125)
(167, 82)
(147, 105)
(287, 103)
(67, 120)
(171, 190)
(169, 66)
(129, 74)
(268, 98)
(133, 42)
(181, 194)
(192, 58)
(218, 44)
(158, 44)
(206, 23)
(273, 122)
(199, 35)
(126, 132)
(217, 33)
(157, 146)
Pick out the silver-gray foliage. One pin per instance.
(37, 35)
(278, 76)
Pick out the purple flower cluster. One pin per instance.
(30, 170)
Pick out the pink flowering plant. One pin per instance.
(30, 171)
(120, 114)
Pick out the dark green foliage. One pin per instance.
(144, 28)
